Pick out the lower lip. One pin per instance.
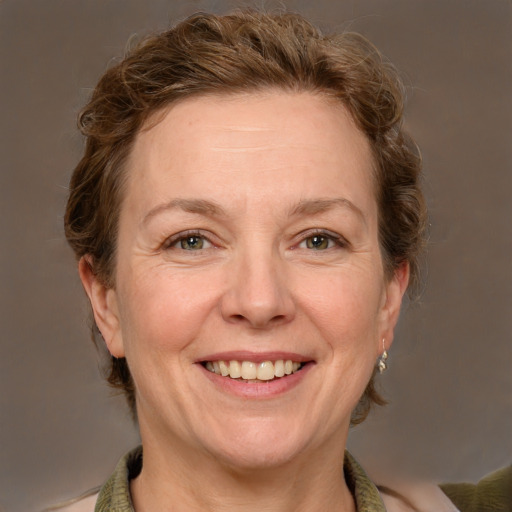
(258, 390)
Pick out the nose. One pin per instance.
(258, 294)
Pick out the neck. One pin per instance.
(190, 482)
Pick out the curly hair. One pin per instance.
(245, 51)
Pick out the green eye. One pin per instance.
(318, 242)
(192, 243)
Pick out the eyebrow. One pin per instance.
(205, 207)
(199, 206)
(316, 206)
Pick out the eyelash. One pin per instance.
(329, 236)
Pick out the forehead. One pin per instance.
(250, 140)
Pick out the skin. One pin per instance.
(279, 169)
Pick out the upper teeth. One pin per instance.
(249, 370)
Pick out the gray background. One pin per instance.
(450, 382)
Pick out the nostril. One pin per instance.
(278, 319)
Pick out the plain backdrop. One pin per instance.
(450, 379)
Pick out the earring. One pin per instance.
(382, 365)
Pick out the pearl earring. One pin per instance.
(382, 365)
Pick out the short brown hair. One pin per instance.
(243, 52)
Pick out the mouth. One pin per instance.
(254, 372)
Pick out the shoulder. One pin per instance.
(492, 494)
(84, 503)
(113, 495)
(397, 495)
(415, 497)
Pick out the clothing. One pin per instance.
(115, 494)
(492, 494)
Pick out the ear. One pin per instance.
(394, 292)
(104, 306)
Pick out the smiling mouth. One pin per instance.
(249, 371)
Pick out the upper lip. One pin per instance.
(256, 357)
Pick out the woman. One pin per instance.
(247, 217)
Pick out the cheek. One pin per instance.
(163, 310)
(343, 304)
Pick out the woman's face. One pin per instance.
(248, 235)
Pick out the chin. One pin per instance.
(260, 457)
(264, 445)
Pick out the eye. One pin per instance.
(189, 242)
(321, 241)
(192, 243)
(318, 242)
